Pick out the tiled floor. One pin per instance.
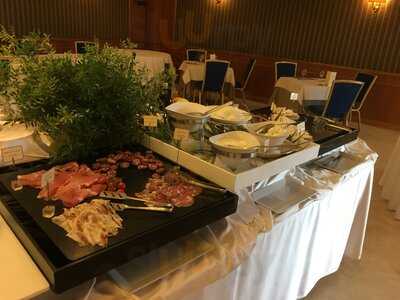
(377, 275)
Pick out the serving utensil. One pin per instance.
(122, 207)
(123, 196)
(206, 186)
(212, 110)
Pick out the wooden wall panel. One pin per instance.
(340, 32)
(103, 19)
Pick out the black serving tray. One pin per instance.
(66, 264)
(331, 137)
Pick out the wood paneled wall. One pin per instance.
(103, 19)
(339, 32)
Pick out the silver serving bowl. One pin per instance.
(235, 147)
(187, 115)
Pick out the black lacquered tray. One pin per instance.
(331, 137)
(66, 264)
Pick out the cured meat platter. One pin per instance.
(67, 263)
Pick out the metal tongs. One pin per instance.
(206, 186)
(122, 207)
(153, 206)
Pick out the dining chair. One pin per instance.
(369, 81)
(214, 78)
(341, 99)
(285, 69)
(196, 55)
(241, 86)
(80, 46)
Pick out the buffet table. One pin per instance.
(252, 254)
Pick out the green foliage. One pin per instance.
(128, 44)
(31, 44)
(5, 75)
(96, 103)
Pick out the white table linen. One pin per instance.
(390, 181)
(195, 71)
(154, 61)
(307, 89)
(287, 262)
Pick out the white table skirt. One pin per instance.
(390, 181)
(286, 262)
(250, 263)
(194, 71)
(307, 89)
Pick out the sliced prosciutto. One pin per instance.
(60, 178)
(33, 179)
(72, 183)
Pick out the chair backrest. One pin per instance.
(249, 71)
(369, 81)
(196, 55)
(341, 99)
(80, 46)
(214, 75)
(285, 69)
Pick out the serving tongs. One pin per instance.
(212, 110)
(187, 179)
(122, 207)
(155, 206)
(205, 186)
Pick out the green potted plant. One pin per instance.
(86, 106)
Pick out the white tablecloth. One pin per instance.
(252, 261)
(307, 89)
(154, 61)
(390, 181)
(194, 71)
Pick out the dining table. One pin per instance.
(153, 61)
(194, 72)
(307, 91)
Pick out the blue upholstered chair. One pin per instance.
(369, 81)
(196, 55)
(241, 86)
(285, 69)
(214, 77)
(80, 46)
(342, 97)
